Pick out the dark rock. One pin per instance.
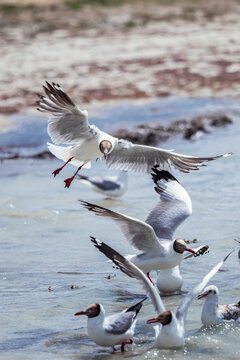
(221, 120)
(192, 129)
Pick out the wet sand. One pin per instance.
(106, 55)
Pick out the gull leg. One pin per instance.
(149, 277)
(114, 349)
(57, 171)
(69, 180)
(125, 343)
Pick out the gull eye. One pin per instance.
(210, 291)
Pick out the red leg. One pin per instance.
(57, 171)
(149, 277)
(125, 343)
(69, 180)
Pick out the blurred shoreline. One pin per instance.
(114, 52)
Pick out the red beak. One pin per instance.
(152, 321)
(80, 313)
(203, 295)
(190, 250)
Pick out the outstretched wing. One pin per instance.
(185, 303)
(131, 270)
(200, 250)
(140, 234)
(174, 206)
(133, 157)
(67, 123)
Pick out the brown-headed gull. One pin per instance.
(170, 281)
(113, 329)
(212, 312)
(172, 333)
(154, 238)
(110, 186)
(69, 125)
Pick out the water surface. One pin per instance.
(44, 231)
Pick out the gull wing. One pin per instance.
(121, 322)
(200, 250)
(67, 123)
(192, 294)
(230, 311)
(133, 157)
(132, 271)
(141, 235)
(174, 206)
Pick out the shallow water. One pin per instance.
(44, 231)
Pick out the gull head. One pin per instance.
(91, 311)
(180, 246)
(209, 291)
(163, 318)
(105, 147)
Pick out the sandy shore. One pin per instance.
(105, 55)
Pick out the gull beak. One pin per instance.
(152, 321)
(80, 313)
(203, 295)
(105, 155)
(190, 250)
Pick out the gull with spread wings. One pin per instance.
(171, 332)
(154, 238)
(68, 125)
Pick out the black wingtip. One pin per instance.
(96, 242)
(87, 205)
(137, 307)
(228, 255)
(161, 174)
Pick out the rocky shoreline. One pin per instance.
(153, 133)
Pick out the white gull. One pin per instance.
(154, 238)
(113, 329)
(213, 313)
(69, 125)
(171, 332)
(110, 186)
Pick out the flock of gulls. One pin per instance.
(76, 142)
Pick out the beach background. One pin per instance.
(157, 72)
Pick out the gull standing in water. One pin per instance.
(154, 238)
(69, 125)
(114, 329)
(169, 281)
(110, 186)
(213, 313)
(171, 332)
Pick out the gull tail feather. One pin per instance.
(64, 153)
